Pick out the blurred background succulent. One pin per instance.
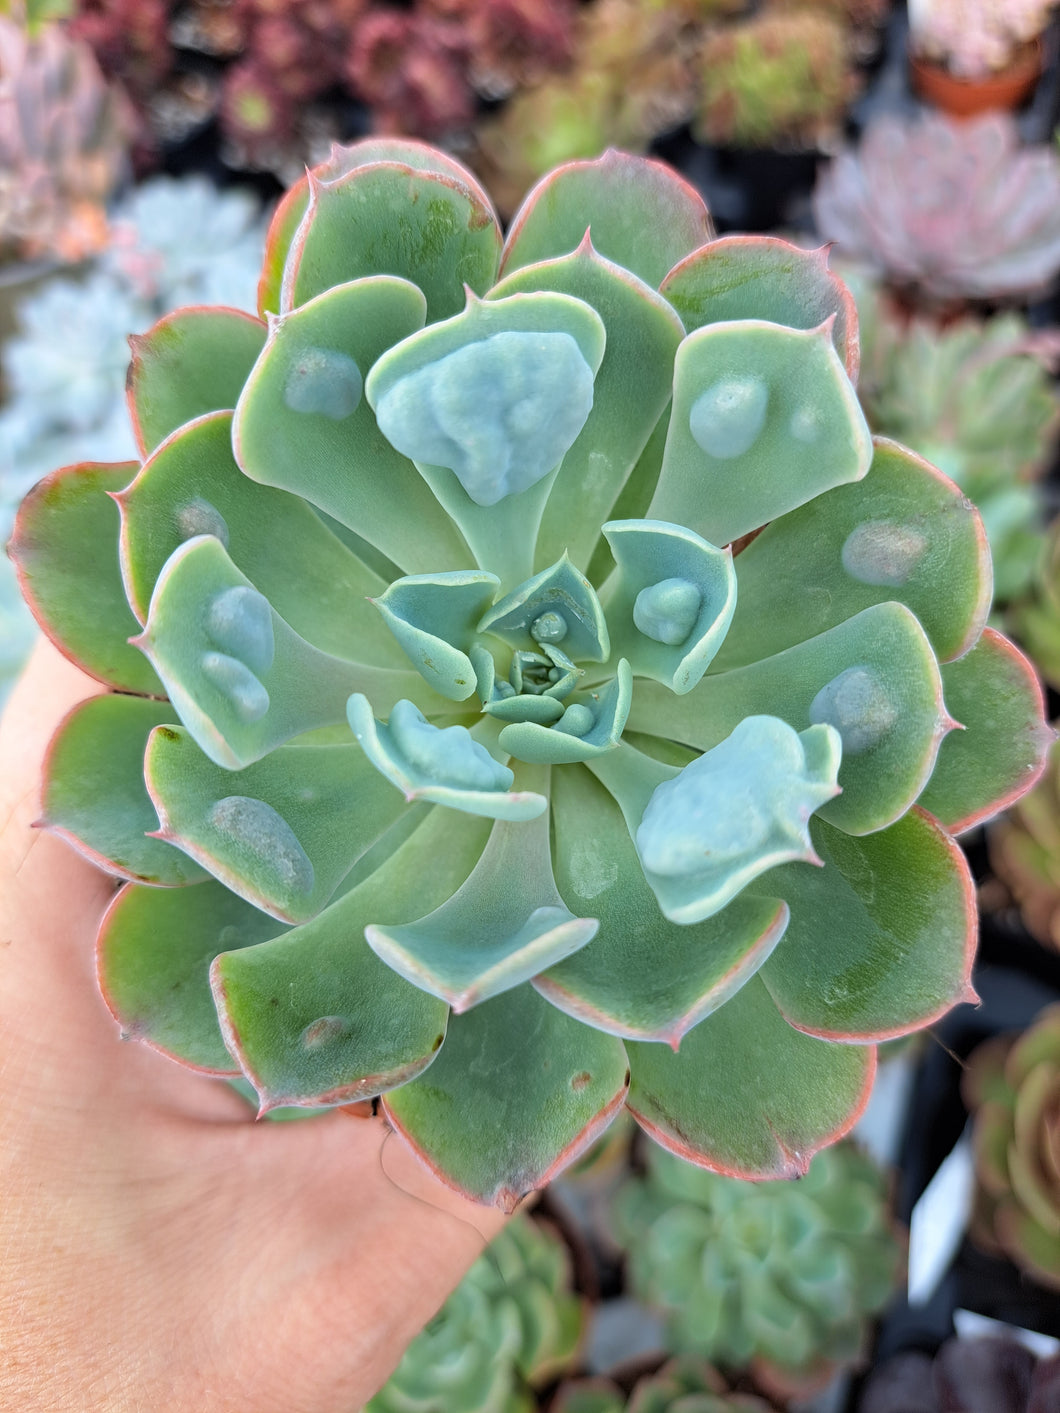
(512, 1325)
(951, 210)
(1035, 618)
(686, 1384)
(973, 39)
(776, 1275)
(977, 398)
(631, 77)
(172, 242)
(1025, 854)
(777, 79)
(987, 1375)
(1012, 1089)
(64, 144)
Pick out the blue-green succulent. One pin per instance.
(534, 690)
(779, 1275)
(512, 1325)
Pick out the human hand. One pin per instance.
(158, 1249)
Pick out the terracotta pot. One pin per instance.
(964, 98)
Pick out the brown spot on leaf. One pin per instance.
(579, 1081)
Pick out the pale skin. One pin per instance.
(159, 1250)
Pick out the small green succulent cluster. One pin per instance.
(778, 1275)
(774, 78)
(685, 1385)
(977, 400)
(534, 687)
(1025, 854)
(1012, 1088)
(512, 1325)
(1035, 619)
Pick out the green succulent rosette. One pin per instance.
(468, 745)
(1012, 1088)
(1035, 619)
(777, 1276)
(686, 1384)
(512, 1325)
(1025, 854)
(976, 398)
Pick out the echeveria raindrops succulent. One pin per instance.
(782, 1275)
(512, 1325)
(472, 742)
(1012, 1087)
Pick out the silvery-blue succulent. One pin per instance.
(534, 690)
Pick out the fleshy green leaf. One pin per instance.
(192, 486)
(640, 214)
(240, 678)
(93, 792)
(440, 765)
(631, 391)
(895, 536)
(518, 1092)
(747, 1095)
(669, 602)
(881, 939)
(430, 227)
(558, 606)
(192, 361)
(284, 832)
(874, 678)
(487, 404)
(433, 617)
(304, 425)
(994, 693)
(762, 277)
(640, 977)
(153, 960)
(764, 418)
(315, 1017)
(283, 228)
(65, 549)
(504, 925)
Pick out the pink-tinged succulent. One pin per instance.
(972, 1375)
(130, 39)
(257, 115)
(64, 144)
(411, 69)
(1012, 1088)
(456, 757)
(958, 210)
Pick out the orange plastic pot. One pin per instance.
(964, 98)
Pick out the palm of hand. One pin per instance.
(161, 1250)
